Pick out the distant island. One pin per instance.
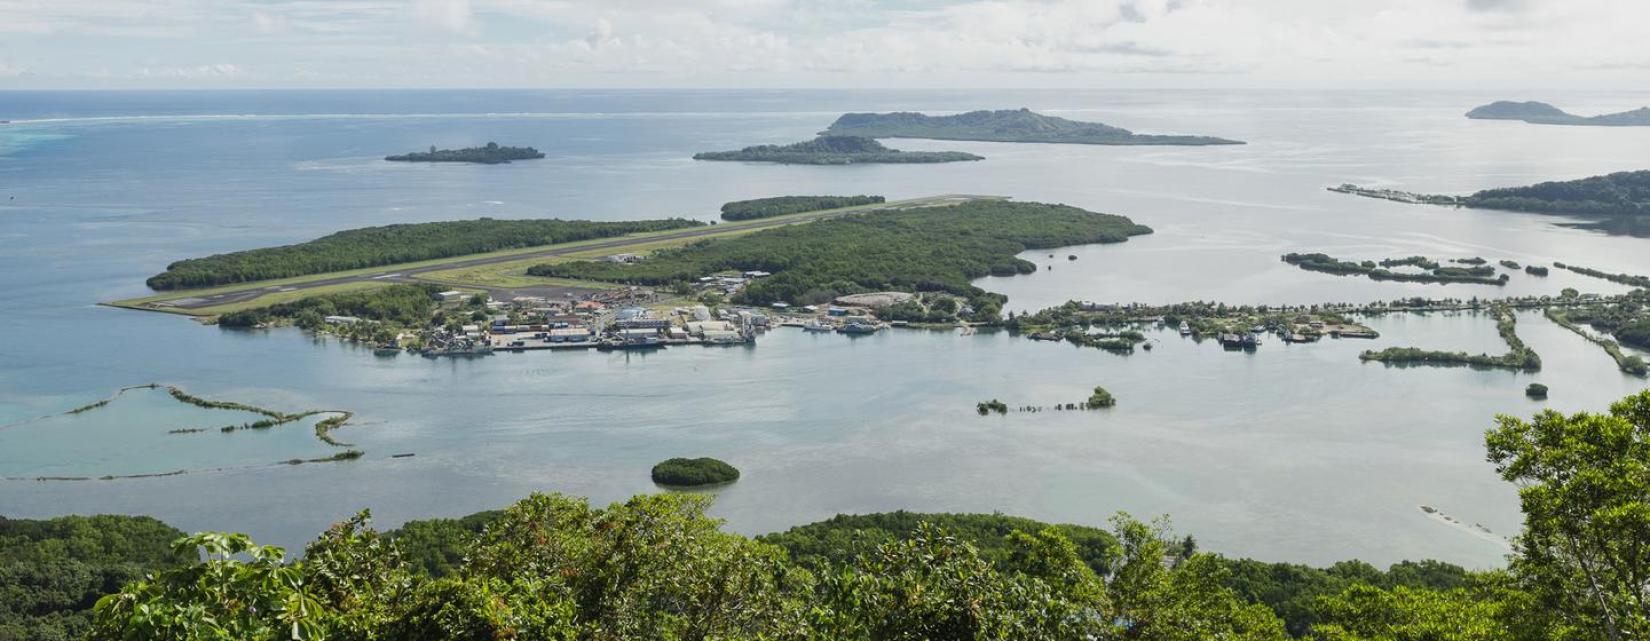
(1006, 125)
(835, 150)
(1621, 201)
(491, 154)
(1541, 113)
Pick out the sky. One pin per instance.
(1473, 44)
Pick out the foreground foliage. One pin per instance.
(389, 245)
(924, 249)
(655, 567)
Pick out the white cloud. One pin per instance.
(840, 42)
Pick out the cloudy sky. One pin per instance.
(830, 43)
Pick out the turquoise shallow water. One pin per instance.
(1293, 453)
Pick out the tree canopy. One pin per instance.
(923, 249)
(392, 244)
(782, 205)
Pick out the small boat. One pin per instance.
(1185, 330)
(648, 342)
(858, 329)
(816, 326)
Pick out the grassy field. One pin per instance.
(500, 274)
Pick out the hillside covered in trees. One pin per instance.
(1541, 113)
(782, 205)
(52, 571)
(392, 244)
(1621, 200)
(835, 150)
(1007, 125)
(923, 249)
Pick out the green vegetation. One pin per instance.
(1630, 280)
(1535, 270)
(782, 205)
(1478, 273)
(1621, 199)
(436, 547)
(1610, 316)
(1518, 357)
(390, 245)
(1417, 261)
(693, 472)
(929, 249)
(490, 154)
(654, 567)
(840, 539)
(1536, 390)
(1582, 488)
(993, 405)
(1541, 113)
(1100, 399)
(52, 571)
(1306, 598)
(402, 305)
(835, 150)
(1021, 125)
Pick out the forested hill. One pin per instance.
(1541, 113)
(921, 249)
(53, 570)
(390, 245)
(1020, 125)
(1622, 199)
(835, 150)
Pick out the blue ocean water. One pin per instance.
(1294, 453)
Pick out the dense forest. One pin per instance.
(1007, 125)
(405, 305)
(924, 249)
(52, 571)
(1622, 199)
(835, 150)
(655, 567)
(782, 205)
(692, 472)
(389, 245)
(490, 154)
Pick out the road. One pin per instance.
(392, 273)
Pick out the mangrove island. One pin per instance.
(694, 472)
